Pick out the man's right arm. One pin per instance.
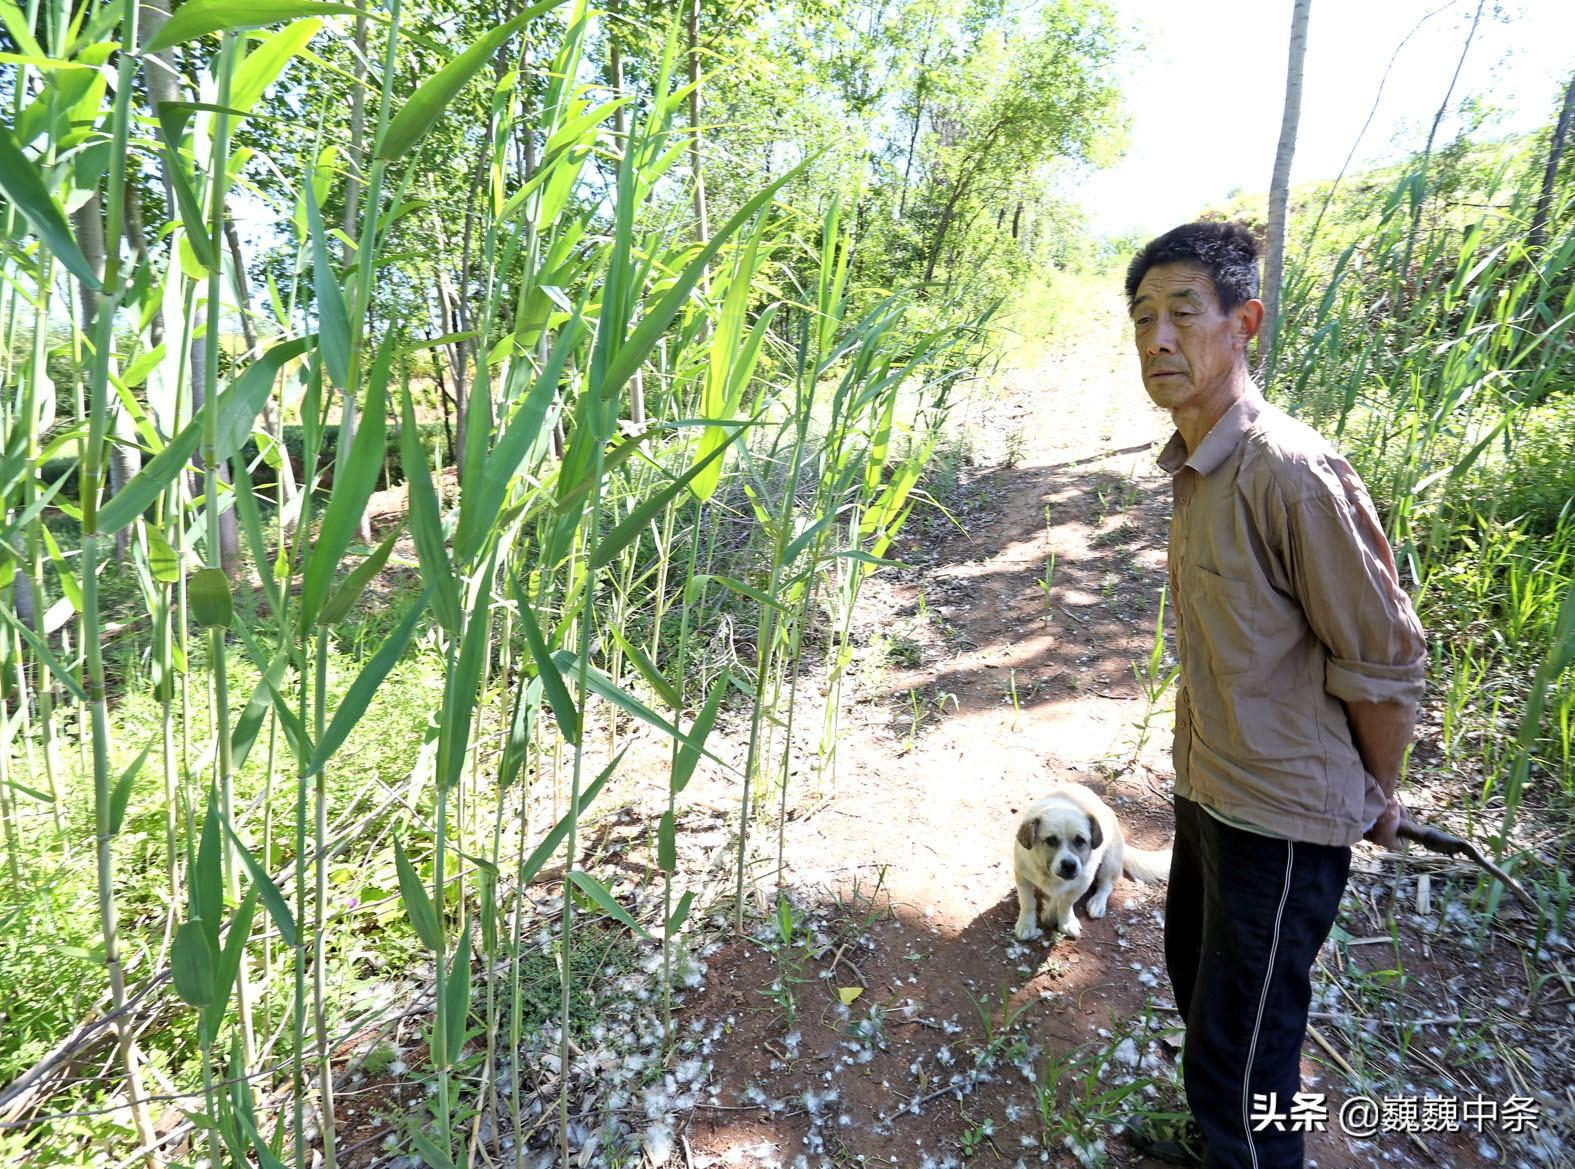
(1381, 732)
(1343, 573)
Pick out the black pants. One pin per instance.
(1245, 915)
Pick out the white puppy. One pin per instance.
(1068, 841)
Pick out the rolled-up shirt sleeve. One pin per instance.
(1343, 573)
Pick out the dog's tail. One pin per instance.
(1146, 865)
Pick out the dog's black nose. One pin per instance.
(1068, 868)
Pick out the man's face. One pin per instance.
(1187, 346)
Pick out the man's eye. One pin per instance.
(1142, 322)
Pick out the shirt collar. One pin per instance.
(1223, 437)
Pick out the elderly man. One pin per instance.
(1301, 665)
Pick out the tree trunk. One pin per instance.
(913, 138)
(965, 174)
(1280, 188)
(1539, 222)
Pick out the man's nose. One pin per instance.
(1161, 338)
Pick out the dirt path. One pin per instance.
(888, 1017)
(910, 857)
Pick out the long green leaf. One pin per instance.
(45, 655)
(239, 404)
(278, 908)
(459, 699)
(198, 18)
(24, 188)
(333, 319)
(680, 913)
(41, 797)
(192, 961)
(149, 483)
(245, 496)
(429, 1151)
(667, 843)
(527, 702)
(356, 700)
(542, 853)
(417, 904)
(648, 669)
(716, 436)
(244, 398)
(350, 589)
(598, 893)
(424, 106)
(479, 509)
(172, 126)
(426, 521)
(250, 723)
(289, 719)
(635, 522)
(122, 793)
(699, 731)
(558, 696)
(354, 480)
(456, 997)
(206, 879)
(264, 63)
(618, 696)
(229, 964)
(632, 354)
(488, 889)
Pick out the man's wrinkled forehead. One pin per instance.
(1174, 282)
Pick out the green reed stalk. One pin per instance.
(92, 476)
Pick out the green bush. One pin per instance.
(1537, 480)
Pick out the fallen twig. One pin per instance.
(1439, 841)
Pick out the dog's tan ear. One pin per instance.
(1028, 833)
(1095, 836)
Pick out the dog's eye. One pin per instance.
(1080, 842)
(1053, 841)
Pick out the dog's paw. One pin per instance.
(1070, 927)
(1097, 904)
(1027, 930)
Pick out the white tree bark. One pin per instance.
(1280, 186)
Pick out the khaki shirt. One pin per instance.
(1287, 602)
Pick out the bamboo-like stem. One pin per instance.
(92, 472)
(571, 848)
(218, 162)
(325, 1069)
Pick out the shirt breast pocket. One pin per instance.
(1224, 623)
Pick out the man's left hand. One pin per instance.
(1383, 831)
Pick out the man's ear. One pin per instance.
(1095, 836)
(1249, 320)
(1028, 833)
